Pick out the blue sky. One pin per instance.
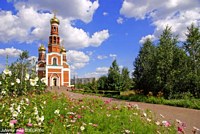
(94, 32)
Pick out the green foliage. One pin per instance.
(102, 83)
(52, 113)
(114, 82)
(125, 80)
(168, 68)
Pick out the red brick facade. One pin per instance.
(53, 65)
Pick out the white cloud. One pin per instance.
(33, 60)
(99, 72)
(90, 52)
(102, 70)
(120, 20)
(30, 24)
(105, 13)
(151, 37)
(101, 57)
(71, 9)
(77, 59)
(175, 13)
(113, 56)
(11, 52)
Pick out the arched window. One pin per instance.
(54, 61)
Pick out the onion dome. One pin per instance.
(54, 20)
(42, 48)
(63, 49)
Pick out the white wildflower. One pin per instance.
(11, 125)
(82, 128)
(27, 77)
(15, 114)
(42, 118)
(1, 120)
(12, 83)
(162, 116)
(144, 114)
(7, 72)
(43, 80)
(157, 123)
(3, 92)
(45, 102)
(33, 82)
(36, 79)
(18, 81)
(56, 111)
(149, 120)
(18, 108)
(0, 83)
(127, 131)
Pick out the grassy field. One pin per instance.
(51, 113)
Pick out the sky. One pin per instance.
(94, 32)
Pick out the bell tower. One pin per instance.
(54, 39)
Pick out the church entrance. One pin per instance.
(54, 82)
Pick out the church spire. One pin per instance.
(54, 39)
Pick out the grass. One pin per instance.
(52, 113)
(132, 96)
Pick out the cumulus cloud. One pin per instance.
(30, 23)
(71, 9)
(98, 72)
(151, 37)
(105, 13)
(175, 13)
(120, 20)
(11, 52)
(101, 57)
(113, 56)
(77, 59)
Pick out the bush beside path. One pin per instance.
(190, 117)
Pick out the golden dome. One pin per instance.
(54, 20)
(42, 48)
(63, 50)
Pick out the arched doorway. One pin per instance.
(54, 82)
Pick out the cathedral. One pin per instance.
(53, 65)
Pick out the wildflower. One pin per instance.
(12, 83)
(13, 121)
(56, 111)
(43, 80)
(144, 114)
(7, 72)
(33, 82)
(196, 130)
(166, 123)
(127, 131)
(42, 118)
(108, 115)
(44, 102)
(1, 120)
(157, 123)
(136, 106)
(27, 100)
(82, 128)
(18, 108)
(71, 113)
(27, 77)
(135, 113)
(3, 92)
(94, 125)
(18, 81)
(149, 120)
(20, 131)
(178, 121)
(180, 130)
(69, 125)
(162, 116)
(15, 114)
(0, 83)
(36, 79)
(29, 125)
(79, 116)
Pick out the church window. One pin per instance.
(54, 61)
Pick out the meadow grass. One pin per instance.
(53, 113)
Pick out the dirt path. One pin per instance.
(190, 116)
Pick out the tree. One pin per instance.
(126, 80)
(114, 82)
(102, 83)
(192, 48)
(144, 67)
